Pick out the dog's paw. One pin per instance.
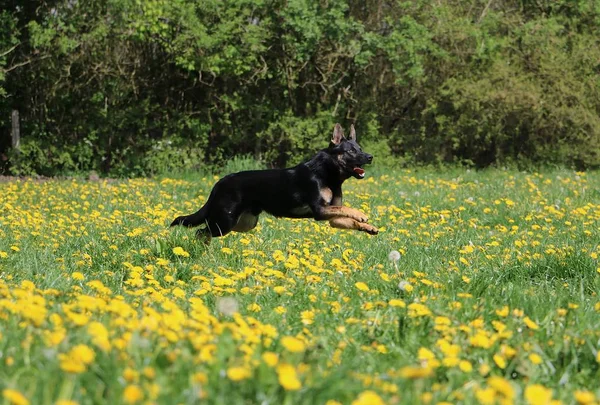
(360, 217)
(370, 229)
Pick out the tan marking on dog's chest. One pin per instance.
(326, 194)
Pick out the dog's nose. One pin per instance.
(370, 158)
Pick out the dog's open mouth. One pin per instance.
(359, 171)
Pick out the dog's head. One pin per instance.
(350, 156)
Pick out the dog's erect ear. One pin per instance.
(338, 135)
(352, 133)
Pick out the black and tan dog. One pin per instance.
(312, 189)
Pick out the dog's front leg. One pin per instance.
(333, 211)
(349, 223)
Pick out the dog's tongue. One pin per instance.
(359, 170)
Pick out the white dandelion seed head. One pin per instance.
(402, 285)
(394, 256)
(227, 305)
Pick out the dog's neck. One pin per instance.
(325, 168)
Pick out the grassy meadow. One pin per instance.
(480, 288)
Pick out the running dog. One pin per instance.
(312, 189)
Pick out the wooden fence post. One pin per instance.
(16, 131)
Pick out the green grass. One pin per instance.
(503, 266)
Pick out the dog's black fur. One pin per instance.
(312, 189)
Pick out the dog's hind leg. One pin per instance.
(218, 223)
(246, 222)
(349, 223)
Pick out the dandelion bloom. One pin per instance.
(530, 324)
(270, 358)
(397, 303)
(486, 396)
(288, 377)
(537, 394)
(584, 397)
(77, 359)
(238, 373)
(415, 372)
(293, 344)
(368, 398)
(502, 386)
(180, 252)
(133, 394)
(14, 397)
(535, 358)
(362, 286)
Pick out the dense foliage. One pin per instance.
(131, 86)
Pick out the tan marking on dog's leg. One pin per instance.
(349, 223)
(335, 211)
(326, 194)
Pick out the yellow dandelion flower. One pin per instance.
(535, 358)
(293, 344)
(486, 396)
(361, 286)
(415, 372)
(584, 397)
(530, 324)
(416, 310)
(14, 397)
(368, 398)
(99, 335)
(288, 378)
(270, 358)
(425, 354)
(77, 359)
(502, 386)
(538, 395)
(397, 303)
(133, 394)
(465, 366)
(238, 373)
(308, 317)
(200, 378)
(503, 312)
(149, 372)
(130, 375)
(500, 361)
(178, 251)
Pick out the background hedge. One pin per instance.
(133, 87)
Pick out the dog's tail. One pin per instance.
(195, 219)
